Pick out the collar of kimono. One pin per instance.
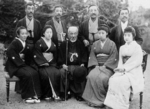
(124, 25)
(48, 43)
(29, 23)
(103, 43)
(23, 44)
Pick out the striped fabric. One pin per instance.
(102, 58)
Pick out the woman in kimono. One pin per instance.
(128, 77)
(45, 57)
(16, 65)
(104, 58)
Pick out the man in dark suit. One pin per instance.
(89, 27)
(117, 32)
(33, 25)
(59, 26)
(34, 28)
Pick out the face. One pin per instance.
(128, 37)
(72, 34)
(23, 35)
(29, 10)
(93, 11)
(48, 33)
(58, 12)
(102, 35)
(124, 15)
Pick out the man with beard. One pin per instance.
(73, 63)
(117, 32)
(59, 29)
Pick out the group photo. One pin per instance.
(74, 54)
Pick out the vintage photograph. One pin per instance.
(74, 54)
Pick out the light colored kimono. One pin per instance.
(121, 84)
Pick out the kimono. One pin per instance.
(105, 59)
(49, 75)
(116, 35)
(15, 65)
(77, 74)
(131, 81)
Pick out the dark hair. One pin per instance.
(19, 29)
(46, 27)
(131, 30)
(124, 8)
(104, 27)
(29, 4)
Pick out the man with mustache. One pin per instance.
(89, 28)
(73, 62)
(117, 32)
(34, 28)
(59, 26)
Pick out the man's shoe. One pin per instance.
(78, 98)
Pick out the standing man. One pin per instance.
(59, 27)
(117, 32)
(33, 26)
(73, 61)
(89, 27)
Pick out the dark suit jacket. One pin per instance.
(54, 37)
(116, 35)
(37, 28)
(84, 29)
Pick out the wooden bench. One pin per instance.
(8, 80)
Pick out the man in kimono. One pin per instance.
(59, 27)
(73, 63)
(89, 27)
(117, 32)
(34, 28)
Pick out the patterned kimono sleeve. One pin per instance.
(38, 55)
(14, 56)
(112, 61)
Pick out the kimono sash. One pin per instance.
(48, 56)
(102, 58)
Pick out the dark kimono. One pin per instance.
(77, 74)
(105, 59)
(49, 75)
(15, 65)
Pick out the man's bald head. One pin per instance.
(72, 33)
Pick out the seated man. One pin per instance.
(72, 58)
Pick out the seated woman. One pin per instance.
(104, 56)
(45, 57)
(16, 65)
(128, 75)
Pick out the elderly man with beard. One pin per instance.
(59, 26)
(76, 57)
(117, 32)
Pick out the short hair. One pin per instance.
(46, 27)
(19, 29)
(124, 8)
(58, 6)
(29, 4)
(73, 26)
(93, 5)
